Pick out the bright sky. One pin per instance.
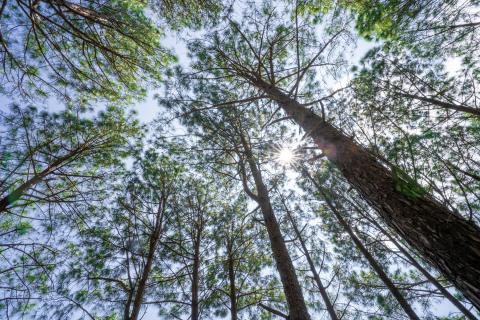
(148, 109)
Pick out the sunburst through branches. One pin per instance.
(286, 155)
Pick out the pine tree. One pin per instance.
(255, 59)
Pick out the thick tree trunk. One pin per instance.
(152, 246)
(445, 239)
(420, 268)
(371, 260)
(293, 292)
(231, 279)
(316, 276)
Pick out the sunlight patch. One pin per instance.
(286, 156)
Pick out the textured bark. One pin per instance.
(371, 260)
(313, 269)
(152, 246)
(443, 238)
(419, 267)
(293, 292)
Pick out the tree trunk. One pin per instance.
(428, 227)
(88, 14)
(126, 309)
(273, 311)
(420, 268)
(371, 260)
(231, 279)
(196, 276)
(316, 276)
(293, 292)
(442, 104)
(152, 246)
(16, 194)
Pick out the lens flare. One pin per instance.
(286, 156)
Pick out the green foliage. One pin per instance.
(156, 213)
(188, 13)
(100, 50)
(383, 19)
(406, 185)
(90, 50)
(23, 227)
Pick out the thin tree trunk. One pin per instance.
(316, 276)
(293, 292)
(131, 287)
(152, 246)
(420, 268)
(371, 260)
(429, 227)
(442, 104)
(273, 311)
(454, 26)
(231, 279)
(16, 194)
(85, 12)
(196, 276)
(126, 309)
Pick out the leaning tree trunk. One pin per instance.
(445, 239)
(468, 314)
(7, 201)
(442, 104)
(367, 255)
(293, 292)
(313, 269)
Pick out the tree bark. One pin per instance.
(316, 276)
(442, 104)
(273, 311)
(443, 238)
(231, 279)
(371, 260)
(16, 194)
(79, 10)
(153, 241)
(293, 292)
(420, 268)
(195, 276)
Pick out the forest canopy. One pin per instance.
(277, 159)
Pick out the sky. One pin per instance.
(148, 109)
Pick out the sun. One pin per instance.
(285, 156)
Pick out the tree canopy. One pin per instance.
(271, 159)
